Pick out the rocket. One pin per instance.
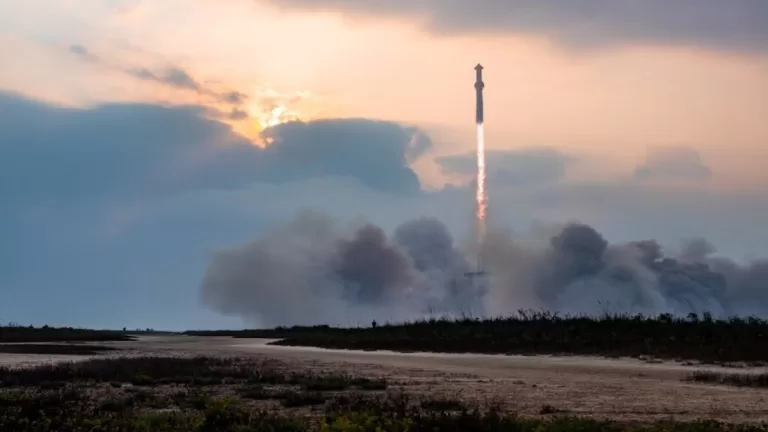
(479, 85)
(479, 273)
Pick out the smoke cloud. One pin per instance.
(312, 270)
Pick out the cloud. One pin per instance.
(732, 25)
(374, 152)
(82, 52)
(115, 151)
(237, 114)
(122, 202)
(626, 210)
(536, 165)
(131, 150)
(125, 205)
(234, 97)
(174, 77)
(171, 76)
(673, 163)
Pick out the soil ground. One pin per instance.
(617, 389)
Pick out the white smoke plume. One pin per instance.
(312, 270)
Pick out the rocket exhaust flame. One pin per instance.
(481, 195)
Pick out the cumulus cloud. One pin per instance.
(123, 201)
(125, 206)
(114, 151)
(736, 24)
(527, 166)
(673, 163)
(374, 152)
(129, 150)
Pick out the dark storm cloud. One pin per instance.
(732, 24)
(136, 150)
(512, 167)
(671, 163)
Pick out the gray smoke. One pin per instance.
(579, 272)
(310, 270)
(313, 271)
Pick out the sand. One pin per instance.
(619, 389)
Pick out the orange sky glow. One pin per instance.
(613, 105)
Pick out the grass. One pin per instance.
(443, 404)
(74, 409)
(288, 398)
(663, 337)
(92, 398)
(16, 333)
(338, 383)
(193, 371)
(734, 379)
(256, 392)
(54, 349)
(294, 399)
(475, 421)
(549, 409)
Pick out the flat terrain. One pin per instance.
(620, 389)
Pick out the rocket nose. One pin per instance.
(479, 67)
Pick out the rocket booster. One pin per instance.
(479, 85)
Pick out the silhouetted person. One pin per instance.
(373, 324)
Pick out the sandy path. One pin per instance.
(605, 388)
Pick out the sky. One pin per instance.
(138, 137)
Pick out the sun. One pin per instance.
(274, 117)
(260, 118)
(267, 108)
